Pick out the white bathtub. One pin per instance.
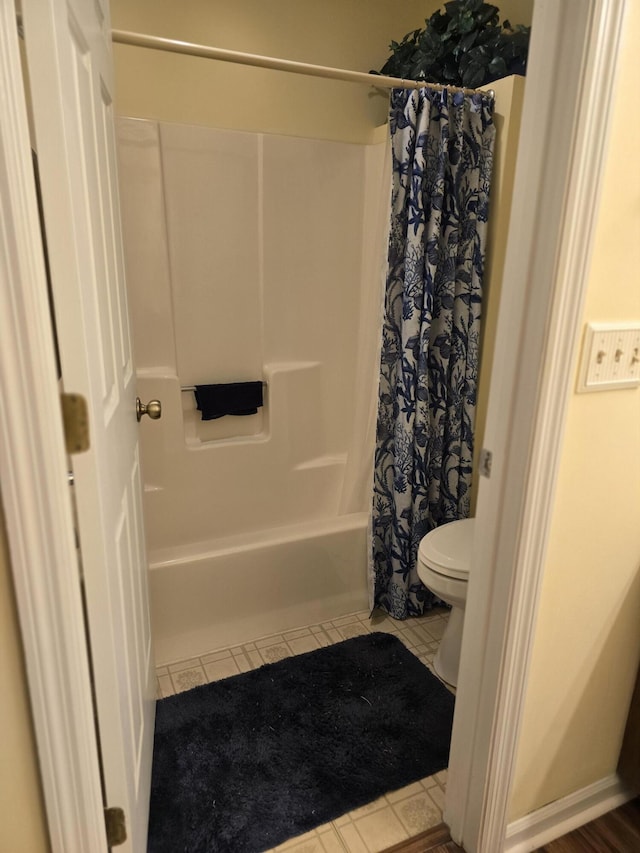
(232, 590)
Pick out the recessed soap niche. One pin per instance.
(197, 431)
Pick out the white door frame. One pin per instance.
(546, 265)
(561, 158)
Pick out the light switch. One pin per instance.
(610, 357)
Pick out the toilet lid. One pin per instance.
(447, 549)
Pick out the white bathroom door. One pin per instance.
(68, 48)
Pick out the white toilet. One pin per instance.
(444, 561)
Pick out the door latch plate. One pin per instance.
(75, 419)
(116, 826)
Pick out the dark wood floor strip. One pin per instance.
(434, 840)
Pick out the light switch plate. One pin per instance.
(610, 357)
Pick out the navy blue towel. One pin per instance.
(234, 398)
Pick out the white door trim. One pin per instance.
(35, 492)
(561, 162)
(563, 816)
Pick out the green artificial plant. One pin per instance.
(463, 45)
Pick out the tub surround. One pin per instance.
(244, 258)
(247, 259)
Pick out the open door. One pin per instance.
(68, 46)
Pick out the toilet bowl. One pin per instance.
(444, 560)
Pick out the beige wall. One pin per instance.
(587, 640)
(22, 826)
(341, 33)
(514, 11)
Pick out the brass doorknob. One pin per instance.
(153, 408)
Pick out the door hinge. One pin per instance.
(486, 458)
(75, 419)
(116, 826)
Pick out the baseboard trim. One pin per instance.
(562, 816)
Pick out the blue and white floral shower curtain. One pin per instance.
(442, 148)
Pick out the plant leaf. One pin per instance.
(498, 67)
(474, 76)
(462, 44)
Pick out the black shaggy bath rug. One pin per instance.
(245, 763)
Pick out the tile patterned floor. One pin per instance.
(396, 816)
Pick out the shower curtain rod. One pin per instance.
(185, 47)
